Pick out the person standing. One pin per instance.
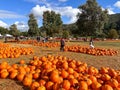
(62, 44)
(91, 43)
(16, 38)
(5, 39)
(38, 38)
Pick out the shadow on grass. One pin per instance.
(23, 87)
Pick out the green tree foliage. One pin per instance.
(42, 32)
(65, 34)
(91, 20)
(118, 25)
(113, 34)
(113, 23)
(114, 18)
(72, 28)
(13, 30)
(33, 26)
(52, 23)
(3, 30)
(25, 33)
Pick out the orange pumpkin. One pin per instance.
(73, 81)
(66, 85)
(113, 82)
(54, 76)
(70, 70)
(41, 88)
(36, 75)
(105, 77)
(96, 85)
(3, 65)
(56, 86)
(42, 82)
(13, 75)
(4, 74)
(49, 85)
(106, 87)
(64, 74)
(83, 85)
(22, 61)
(20, 76)
(34, 85)
(27, 81)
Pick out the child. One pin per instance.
(91, 43)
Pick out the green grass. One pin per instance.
(108, 44)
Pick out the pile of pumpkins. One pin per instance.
(47, 44)
(43, 44)
(75, 48)
(61, 73)
(91, 51)
(7, 51)
(27, 42)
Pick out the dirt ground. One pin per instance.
(96, 61)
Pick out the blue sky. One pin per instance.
(17, 11)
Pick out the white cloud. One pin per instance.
(9, 14)
(117, 4)
(21, 26)
(3, 24)
(38, 11)
(62, 0)
(67, 11)
(110, 11)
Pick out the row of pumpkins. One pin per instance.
(61, 73)
(91, 51)
(7, 51)
(74, 48)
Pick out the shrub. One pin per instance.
(113, 34)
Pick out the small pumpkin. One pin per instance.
(22, 61)
(106, 87)
(27, 81)
(34, 85)
(41, 88)
(4, 74)
(83, 85)
(66, 85)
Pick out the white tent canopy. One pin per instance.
(1, 35)
(8, 35)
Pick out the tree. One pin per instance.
(52, 23)
(25, 33)
(65, 34)
(113, 34)
(72, 28)
(118, 26)
(42, 32)
(13, 30)
(91, 20)
(33, 26)
(3, 30)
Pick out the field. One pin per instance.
(91, 60)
